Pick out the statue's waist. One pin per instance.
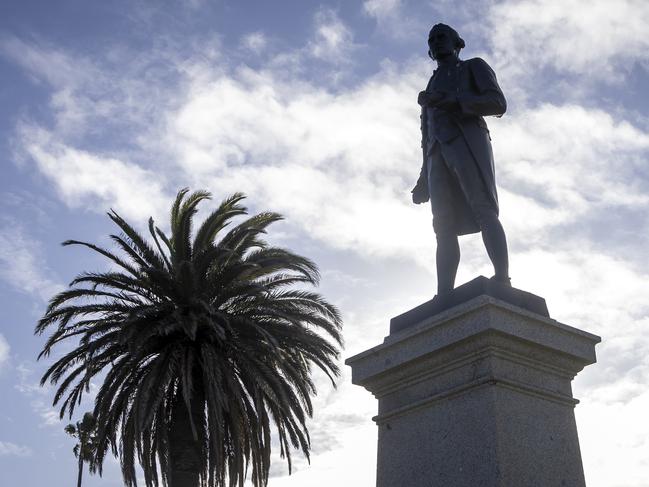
(445, 126)
(442, 126)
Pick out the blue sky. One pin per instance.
(310, 108)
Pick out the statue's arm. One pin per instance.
(489, 99)
(420, 191)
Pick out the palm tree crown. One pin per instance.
(202, 341)
(84, 450)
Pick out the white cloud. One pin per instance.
(47, 414)
(354, 464)
(626, 433)
(559, 164)
(48, 64)
(38, 395)
(89, 100)
(601, 293)
(95, 182)
(347, 159)
(11, 449)
(381, 9)
(67, 75)
(255, 41)
(4, 351)
(593, 38)
(25, 385)
(333, 39)
(340, 165)
(22, 264)
(396, 19)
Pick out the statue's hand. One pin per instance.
(429, 97)
(419, 196)
(448, 103)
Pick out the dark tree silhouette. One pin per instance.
(204, 345)
(84, 450)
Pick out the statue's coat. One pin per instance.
(476, 89)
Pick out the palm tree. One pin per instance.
(204, 346)
(84, 431)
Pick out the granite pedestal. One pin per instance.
(477, 394)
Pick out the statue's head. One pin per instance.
(443, 41)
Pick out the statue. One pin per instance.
(457, 174)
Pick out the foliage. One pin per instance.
(219, 324)
(84, 450)
(84, 431)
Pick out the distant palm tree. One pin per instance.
(206, 341)
(84, 431)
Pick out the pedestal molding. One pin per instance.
(473, 306)
(479, 382)
(486, 352)
(452, 327)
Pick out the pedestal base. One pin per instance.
(478, 395)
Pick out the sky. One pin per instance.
(309, 107)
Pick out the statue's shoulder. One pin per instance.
(476, 63)
(480, 70)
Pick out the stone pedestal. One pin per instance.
(477, 395)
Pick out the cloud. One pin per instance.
(566, 164)
(11, 449)
(25, 385)
(89, 101)
(47, 414)
(41, 407)
(381, 9)
(95, 182)
(333, 429)
(48, 64)
(67, 75)
(4, 351)
(344, 159)
(333, 39)
(396, 19)
(627, 439)
(347, 156)
(591, 38)
(22, 264)
(255, 41)
(340, 164)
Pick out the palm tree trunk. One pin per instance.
(184, 450)
(80, 470)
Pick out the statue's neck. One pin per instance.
(447, 60)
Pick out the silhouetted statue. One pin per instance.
(458, 171)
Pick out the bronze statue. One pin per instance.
(458, 170)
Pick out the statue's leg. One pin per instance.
(493, 236)
(447, 259)
(441, 185)
(484, 209)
